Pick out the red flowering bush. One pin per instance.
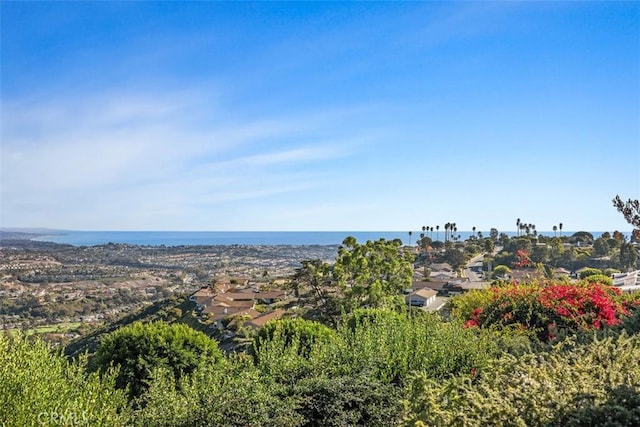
(544, 308)
(523, 259)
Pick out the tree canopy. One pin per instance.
(372, 274)
(140, 348)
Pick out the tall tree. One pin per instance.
(555, 229)
(437, 232)
(489, 246)
(628, 256)
(631, 212)
(560, 227)
(315, 277)
(372, 274)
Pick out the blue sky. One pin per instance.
(318, 116)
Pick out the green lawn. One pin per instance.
(58, 327)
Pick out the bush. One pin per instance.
(545, 308)
(589, 272)
(599, 278)
(290, 349)
(360, 400)
(570, 385)
(500, 270)
(40, 387)
(387, 346)
(307, 333)
(139, 348)
(393, 347)
(234, 394)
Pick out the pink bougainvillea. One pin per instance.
(546, 307)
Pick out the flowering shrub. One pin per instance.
(544, 308)
(522, 259)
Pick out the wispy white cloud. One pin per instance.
(124, 159)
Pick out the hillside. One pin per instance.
(177, 309)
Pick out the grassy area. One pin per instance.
(58, 327)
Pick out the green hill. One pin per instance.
(177, 309)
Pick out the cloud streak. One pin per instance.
(148, 156)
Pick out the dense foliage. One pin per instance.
(136, 350)
(376, 368)
(545, 308)
(40, 387)
(546, 353)
(364, 275)
(569, 385)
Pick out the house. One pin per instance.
(233, 317)
(270, 297)
(260, 321)
(626, 279)
(236, 296)
(204, 302)
(442, 275)
(442, 266)
(525, 275)
(434, 285)
(202, 294)
(422, 297)
(222, 286)
(216, 312)
(232, 303)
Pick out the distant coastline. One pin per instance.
(189, 238)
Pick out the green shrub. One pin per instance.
(589, 272)
(229, 394)
(233, 394)
(40, 387)
(392, 347)
(139, 348)
(599, 278)
(567, 385)
(359, 400)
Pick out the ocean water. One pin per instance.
(178, 238)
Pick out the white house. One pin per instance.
(627, 279)
(421, 297)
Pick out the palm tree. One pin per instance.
(560, 227)
(437, 232)
(431, 233)
(446, 231)
(410, 233)
(555, 228)
(518, 226)
(474, 231)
